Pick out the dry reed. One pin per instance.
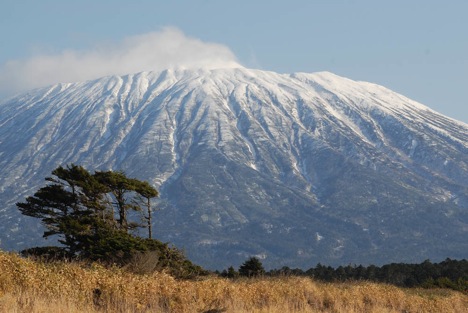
(29, 286)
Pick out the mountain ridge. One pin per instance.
(316, 156)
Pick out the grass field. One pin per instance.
(29, 286)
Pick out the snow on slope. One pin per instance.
(161, 113)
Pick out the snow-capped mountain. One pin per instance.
(295, 169)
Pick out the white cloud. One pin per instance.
(152, 51)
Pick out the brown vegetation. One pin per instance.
(31, 286)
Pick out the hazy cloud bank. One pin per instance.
(152, 51)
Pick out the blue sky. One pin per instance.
(417, 48)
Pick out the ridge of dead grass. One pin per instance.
(36, 287)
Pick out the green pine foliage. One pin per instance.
(251, 268)
(89, 213)
(230, 273)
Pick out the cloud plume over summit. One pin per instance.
(167, 48)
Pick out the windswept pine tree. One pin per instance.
(90, 215)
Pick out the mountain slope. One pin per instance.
(296, 169)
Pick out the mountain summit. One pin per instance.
(294, 169)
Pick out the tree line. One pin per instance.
(449, 273)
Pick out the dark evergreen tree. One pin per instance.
(64, 204)
(252, 267)
(119, 193)
(146, 192)
(78, 207)
(88, 213)
(230, 273)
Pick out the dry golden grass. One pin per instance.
(28, 286)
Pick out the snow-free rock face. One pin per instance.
(295, 169)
